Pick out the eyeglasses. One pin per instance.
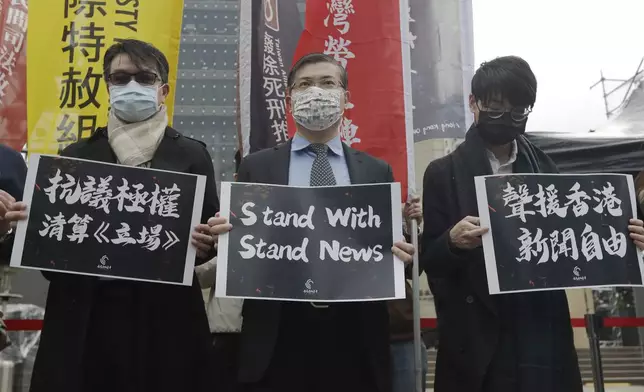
(143, 77)
(517, 114)
(327, 84)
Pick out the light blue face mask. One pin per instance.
(133, 102)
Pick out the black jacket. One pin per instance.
(262, 318)
(13, 172)
(172, 337)
(468, 317)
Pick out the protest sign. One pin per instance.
(66, 97)
(558, 231)
(310, 244)
(107, 220)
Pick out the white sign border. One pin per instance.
(488, 242)
(21, 228)
(397, 235)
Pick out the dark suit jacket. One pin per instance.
(172, 348)
(261, 318)
(468, 316)
(13, 172)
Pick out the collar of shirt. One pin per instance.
(300, 143)
(497, 164)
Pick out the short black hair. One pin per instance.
(142, 54)
(508, 77)
(315, 58)
(237, 160)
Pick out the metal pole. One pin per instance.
(593, 324)
(416, 300)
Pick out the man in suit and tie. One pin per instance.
(291, 346)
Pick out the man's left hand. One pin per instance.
(404, 251)
(412, 209)
(636, 228)
(202, 240)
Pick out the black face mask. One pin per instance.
(499, 131)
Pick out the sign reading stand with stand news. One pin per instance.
(321, 244)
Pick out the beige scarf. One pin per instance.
(135, 144)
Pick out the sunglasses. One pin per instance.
(143, 77)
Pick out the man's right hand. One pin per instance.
(467, 233)
(7, 206)
(218, 226)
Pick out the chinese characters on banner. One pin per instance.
(266, 60)
(101, 219)
(442, 61)
(558, 231)
(303, 244)
(368, 41)
(340, 48)
(67, 99)
(13, 73)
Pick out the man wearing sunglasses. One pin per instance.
(116, 335)
(507, 343)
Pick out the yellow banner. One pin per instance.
(66, 93)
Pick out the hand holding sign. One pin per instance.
(202, 240)
(467, 233)
(404, 251)
(6, 200)
(636, 229)
(218, 226)
(16, 212)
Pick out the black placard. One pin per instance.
(109, 220)
(558, 231)
(310, 244)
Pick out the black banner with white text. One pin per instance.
(310, 244)
(558, 231)
(107, 220)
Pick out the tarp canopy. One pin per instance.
(592, 152)
(616, 147)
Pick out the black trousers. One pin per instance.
(225, 357)
(316, 352)
(110, 360)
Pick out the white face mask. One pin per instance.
(317, 109)
(133, 102)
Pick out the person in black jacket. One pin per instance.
(343, 346)
(506, 343)
(117, 335)
(13, 172)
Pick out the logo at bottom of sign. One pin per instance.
(103, 263)
(309, 287)
(578, 276)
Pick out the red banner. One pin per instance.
(13, 73)
(368, 41)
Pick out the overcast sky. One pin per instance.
(567, 43)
